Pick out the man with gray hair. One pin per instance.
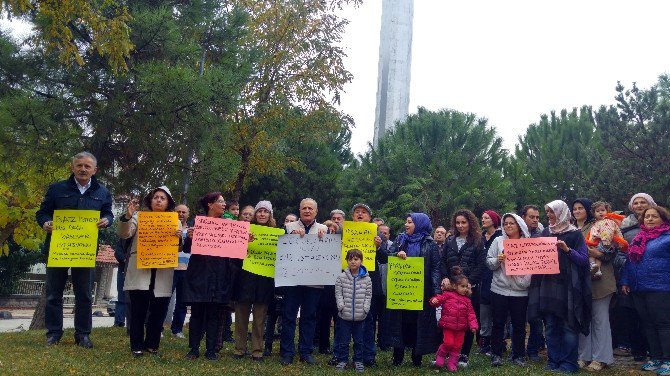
(337, 216)
(80, 192)
(303, 298)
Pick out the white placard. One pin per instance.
(308, 261)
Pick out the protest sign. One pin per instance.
(530, 256)
(404, 283)
(74, 239)
(220, 237)
(360, 235)
(157, 242)
(308, 260)
(262, 251)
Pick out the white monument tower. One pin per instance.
(395, 60)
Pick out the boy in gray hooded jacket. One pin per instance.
(353, 293)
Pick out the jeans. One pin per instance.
(325, 313)
(150, 310)
(369, 326)
(345, 330)
(306, 299)
(535, 337)
(562, 344)
(179, 315)
(82, 283)
(120, 309)
(653, 308)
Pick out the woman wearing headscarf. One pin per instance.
(509, 294)
(627, 332)
(491, 227)
(416, 329)
(595, 348)
(563, 300)
(149, 289)
(646, 278)
(207, 287)
(252, 292)
(465, 249)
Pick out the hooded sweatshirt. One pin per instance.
(502, 284)
(353, 294)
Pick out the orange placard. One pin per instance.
(531, 256)
(220, 237)
(157, 240)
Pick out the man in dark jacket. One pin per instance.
(536, 341)
(81, 191)
(362, 213)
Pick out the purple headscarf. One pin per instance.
(422, 228)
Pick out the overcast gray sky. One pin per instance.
(510, 61)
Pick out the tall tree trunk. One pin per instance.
(38, 316)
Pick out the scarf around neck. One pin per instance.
(639, 243)
(422, 228)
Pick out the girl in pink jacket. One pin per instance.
(458, 317)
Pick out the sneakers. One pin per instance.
(341, 366)
(463, 361)
(664, 370)
(496, 361)
(359, 367)
(582, 364)
(652, 365)
(178, 335)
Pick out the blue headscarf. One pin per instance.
(422, 228)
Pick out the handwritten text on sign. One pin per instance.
(531, 256)
(157, 243)
(262, 251)
(220, 237)
(308, 260)
(404, 283)
(74, 239)
(360, 235)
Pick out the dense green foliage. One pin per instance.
(434, 162)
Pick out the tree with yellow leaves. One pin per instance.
(75, 28)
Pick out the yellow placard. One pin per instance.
(74, 239)
(157, 240)
(360, 235)
(262, 252)
(405, 283)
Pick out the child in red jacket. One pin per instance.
(458, 316)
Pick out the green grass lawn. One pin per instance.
(26, 354)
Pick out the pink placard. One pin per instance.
(531, 256)
(220, 237)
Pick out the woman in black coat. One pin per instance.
(416, 329)
(207, 287)
(465, 249)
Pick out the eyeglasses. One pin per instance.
(220, 201)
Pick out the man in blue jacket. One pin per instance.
(81, 191)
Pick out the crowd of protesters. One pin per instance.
(610, 297)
